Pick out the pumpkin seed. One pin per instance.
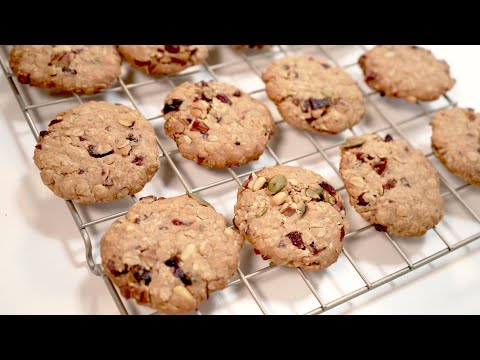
(276, 183)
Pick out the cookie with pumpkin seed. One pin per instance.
(391, 184)
(311, 94)
(170, 254)
(292, 216)
(216, 124)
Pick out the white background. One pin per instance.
(42, 267)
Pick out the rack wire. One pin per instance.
(250, 59)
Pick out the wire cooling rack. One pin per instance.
(370, 259)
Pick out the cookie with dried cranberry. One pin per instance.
(84, 69)
(292, 216)
(391, 185)
(97, 152)
(163, 59)
(406, 71)
(456, 142)
(217, 125)
(170, 254)
(313, 95)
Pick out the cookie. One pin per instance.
(163, 59)
(84, 69)
(456, 142)
(217, 125)
(408, 72)
(291, 216)
(97, 152)
(313, 95)
(170, 254)
(391, 185)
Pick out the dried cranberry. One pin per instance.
(55, 121)
(361, 201)
(265, 257)
(81, 138)
(390, 184)
(93, 153)
(137, 221)
(320, 103)
(178, 222)
(237, 93)
(200, 159)
(256, 251)
(174, 106)
(142, 63)
(24, 79)
(138, 160)
(178, 61)
(342, 233)
(200, 126)
(381, 228)
(140, 273)
(388, 138)
(172, 48)
(224, 98)
(316, 250)
(289, 211)
(43, 133)
(80, 171)
(237, 142)
(177, 271)
(380, 166)
(310, 120)
(296, 239)
(328, 188)
(38, 146)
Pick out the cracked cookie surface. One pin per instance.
(216, 124)
(406, 71)
(456, 142)
(84, 69)
(391, 185)
(313, 95)
(163, 59)
(97, 152)
(291, 216)
(170, 253)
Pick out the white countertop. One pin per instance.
(42, 263)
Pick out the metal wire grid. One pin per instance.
(323, 306)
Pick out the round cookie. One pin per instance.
(170, 254)
(97, 152)
(313, 95)
(216, 124)
(391, 185)
(456, 142)
(84, 69)
(408, 72)
(291, 216)
(163, 59)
